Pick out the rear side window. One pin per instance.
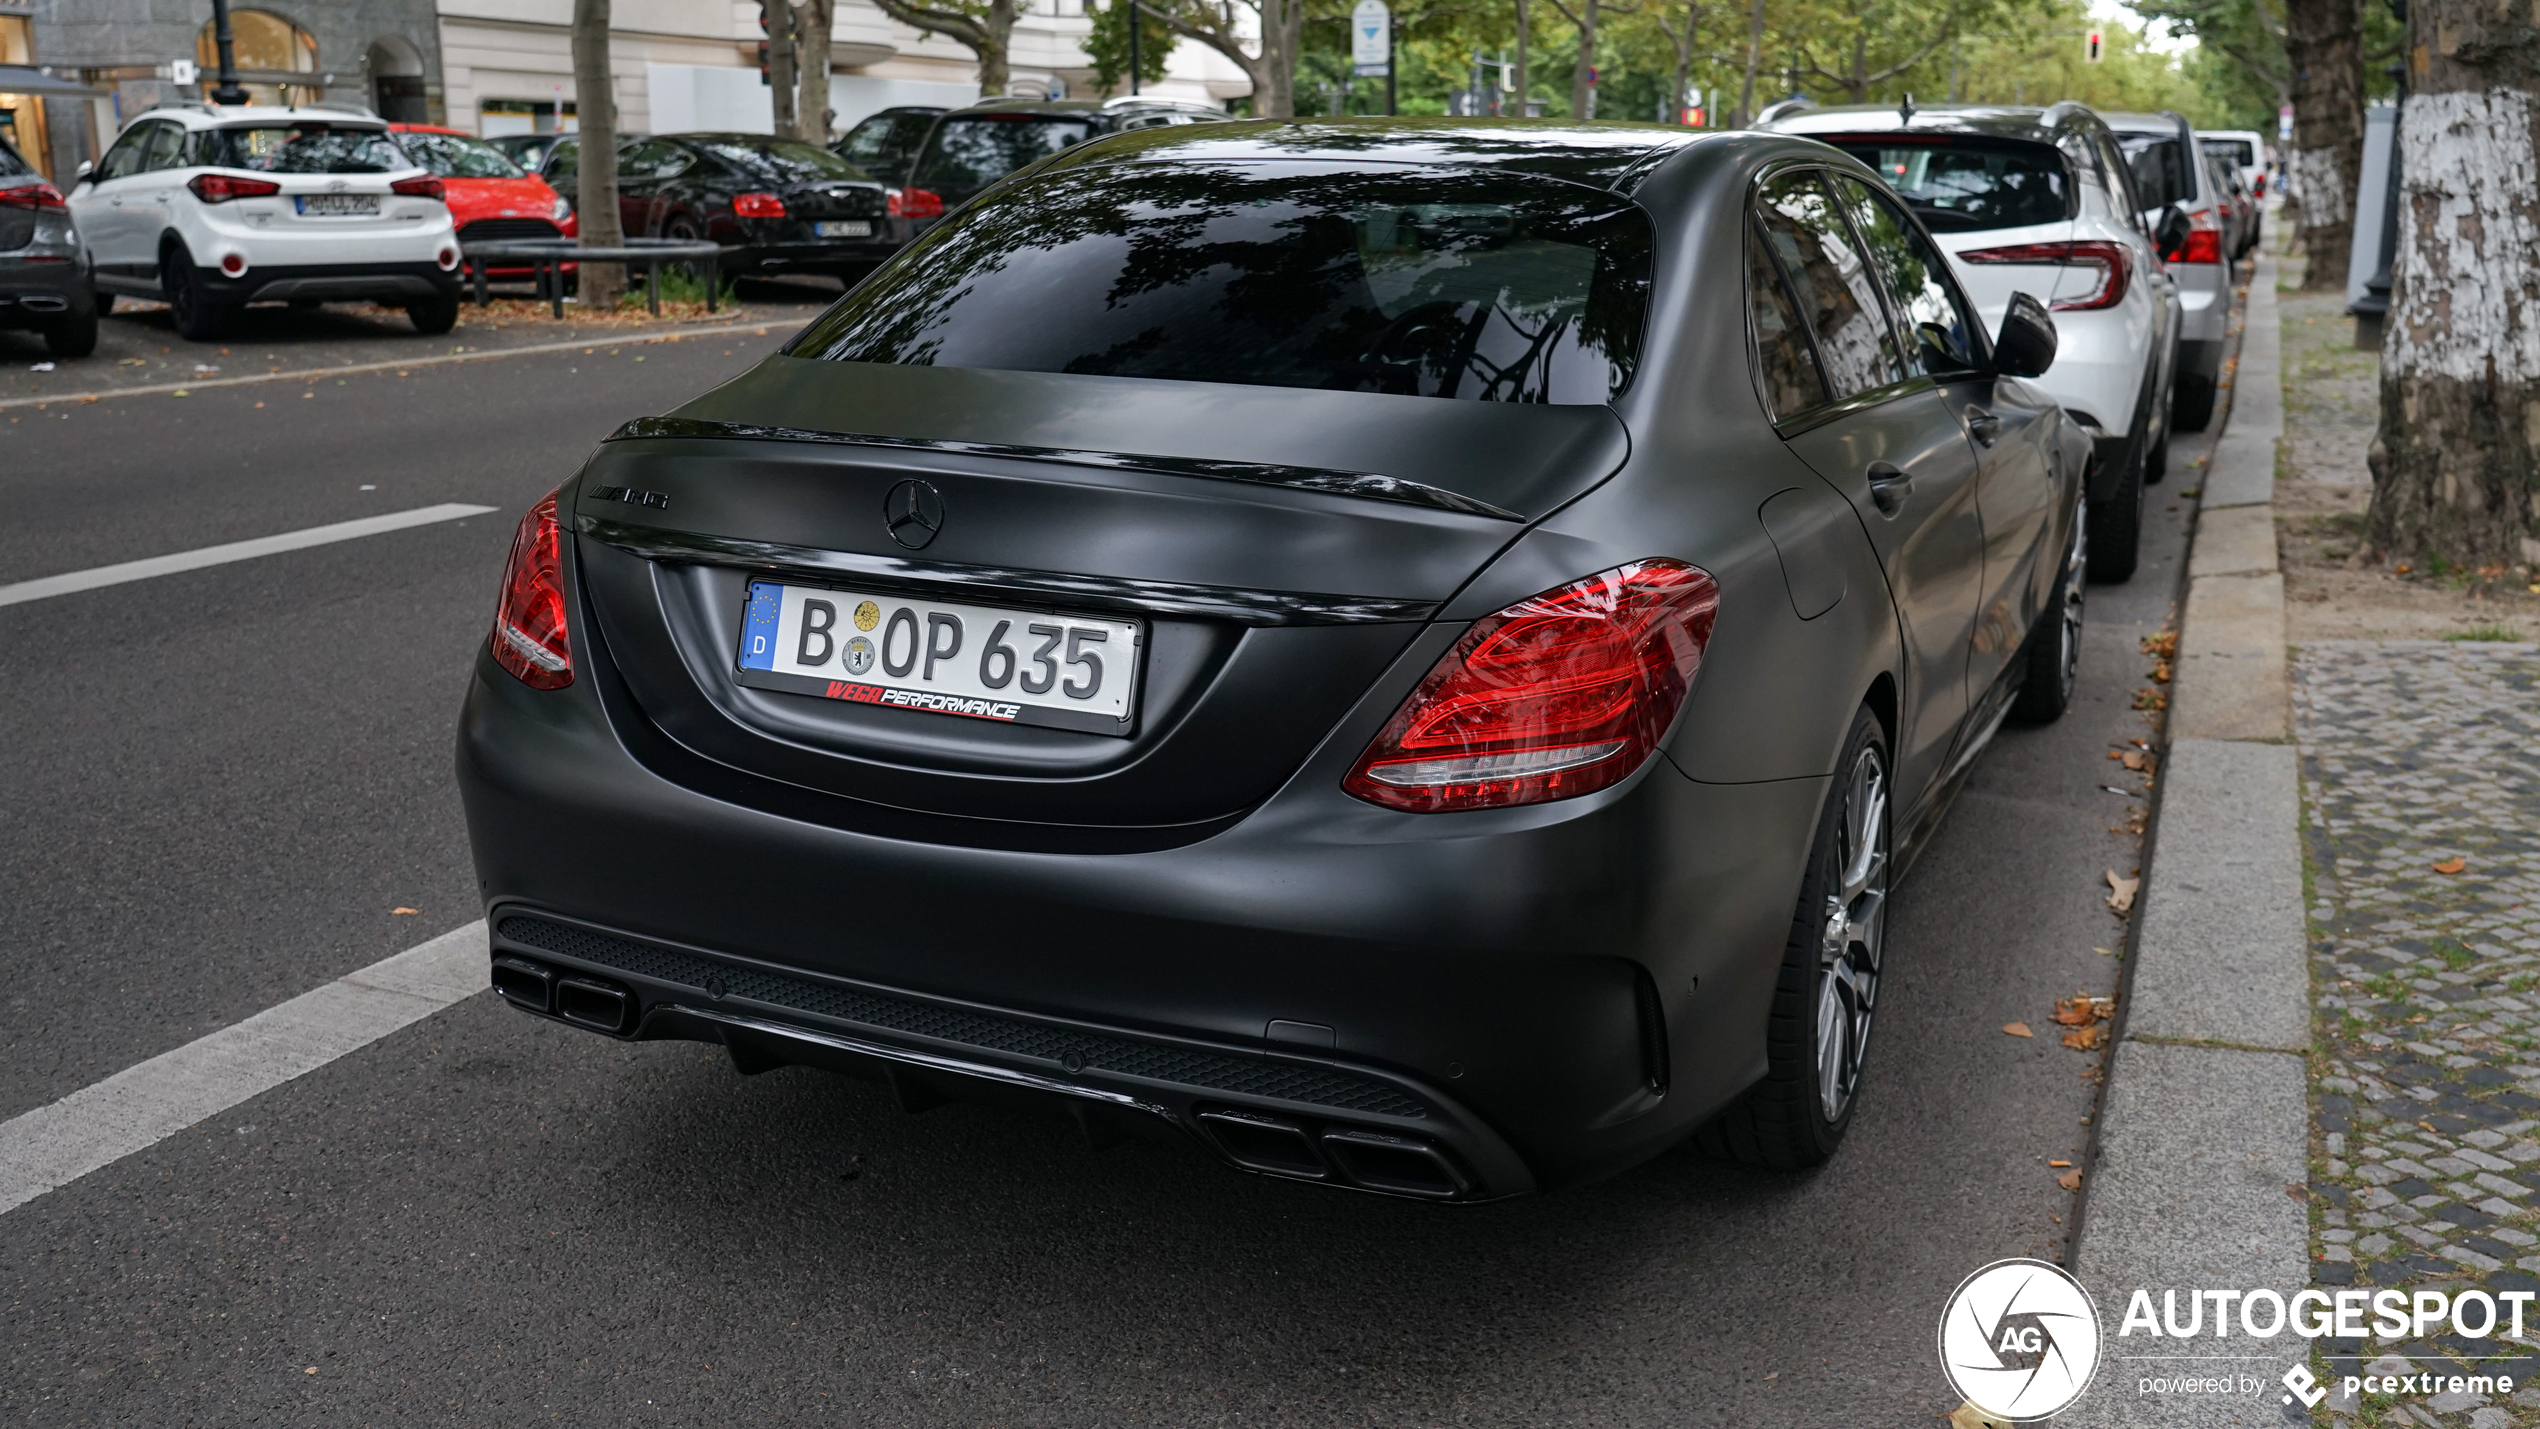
(1431, 283)
(1782, 353)
(300, 149)
(167, 149)
(11, 166)
(976, 152)
(1831, 279)
(2160, 171)
(1938, 335)
(1964, 186)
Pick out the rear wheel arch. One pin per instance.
(1881, 701)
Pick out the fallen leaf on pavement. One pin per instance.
(1967, 1416)
(2121, 892)
(2082, 1039)
(2454, 864)
(2133, 761)
(400, 912)
(2070, 1180)
(2017, 1029)
(2105, 952)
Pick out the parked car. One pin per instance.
(527, 150)
(2247, 151)
(1331, 641)
(2240, 210)
(969, 149)
(776, 205)
(43, 274)
(2159, 149)
(212, 209)
(883, 144)
(490, 197)
(2038, 201)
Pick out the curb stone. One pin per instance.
(2204, 1130)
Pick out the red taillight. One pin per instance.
(757, 206)
(913, 203)
(2204, 240)
(420, 186)
(2116, 270)
(529, 638)
(41, 197)
(1560, 695)
(221, 188)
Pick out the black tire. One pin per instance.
(435, 315)
(74, 335)
(2116, 530)
(198, 319)
(1797, 1115)
(2192, 403)
(105, 303)
(2051, 660)
(2156, 463)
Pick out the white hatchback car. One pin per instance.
(212, 209)
(2040, 201)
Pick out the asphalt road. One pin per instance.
(218, 785)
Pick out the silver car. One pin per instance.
(2182, 203)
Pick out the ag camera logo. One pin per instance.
(2020, 1339)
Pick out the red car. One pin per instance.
(490, 197)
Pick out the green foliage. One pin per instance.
(1108, 46)
(2484, 632)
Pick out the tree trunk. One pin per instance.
(781, 80)
(1856, 82)
(996, 49)
(2324, 49)
(1754, 56)
(1525, 81)
(1684, 65)
(595, 116)
(1583, 74)
(2458, 453)
(811, 61)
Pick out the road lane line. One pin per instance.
(311, 374)
(142, 1105)
(73, 581)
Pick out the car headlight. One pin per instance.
(563, 209)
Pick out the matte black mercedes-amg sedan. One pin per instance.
(1412, 653)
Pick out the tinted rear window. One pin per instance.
(2235, 151)
(779, 161)
(455, 156)
(1490, 288)
(969, 154)
(2160, 174)
(300, 149)
(1963, 187)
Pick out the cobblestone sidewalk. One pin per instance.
(2421, 766)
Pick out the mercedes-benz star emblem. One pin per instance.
(914, 512)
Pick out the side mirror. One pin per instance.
(2171, 235)
(80, 174)
(2026, 346)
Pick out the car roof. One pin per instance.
(2032, 123)
(2144, 123)
(1054, 108)
(205, 116)
(1600, 155)
(431, 129)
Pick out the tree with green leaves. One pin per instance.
(984, 27)
(1263, 37)
(1108, 44)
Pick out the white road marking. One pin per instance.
(142, 1105)
(70, 582)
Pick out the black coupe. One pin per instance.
(1410, 653)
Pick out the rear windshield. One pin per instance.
(969, 154)
(11, 166)
(778, 161)
(455, 156)
(2233, 151)
(2160, 175)
(1432, 283)
(1959, 187)
(300, 149)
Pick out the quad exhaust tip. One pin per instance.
(525, 984)
(1369, 1160)
(591, 1002)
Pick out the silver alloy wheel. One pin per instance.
(1855, 934)
(2076, 574)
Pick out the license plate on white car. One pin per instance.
(844, 228)
(338, 205)
(984, 662)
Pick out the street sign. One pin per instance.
(1371, 37)
(2094, 46)
(182, 71)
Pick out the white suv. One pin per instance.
(211, 209)
(2040, 201)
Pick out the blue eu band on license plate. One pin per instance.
(1061, 670)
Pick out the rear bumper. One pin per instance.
(824, 256)
(40, 294)
(390, 283)
(1535, 996)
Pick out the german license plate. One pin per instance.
(338, 205)
(984, 662)
(844, 228)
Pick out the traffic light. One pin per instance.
(2093, 46)
(763, 78)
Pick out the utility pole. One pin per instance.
(227, 91)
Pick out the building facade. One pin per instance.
(381, 54)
